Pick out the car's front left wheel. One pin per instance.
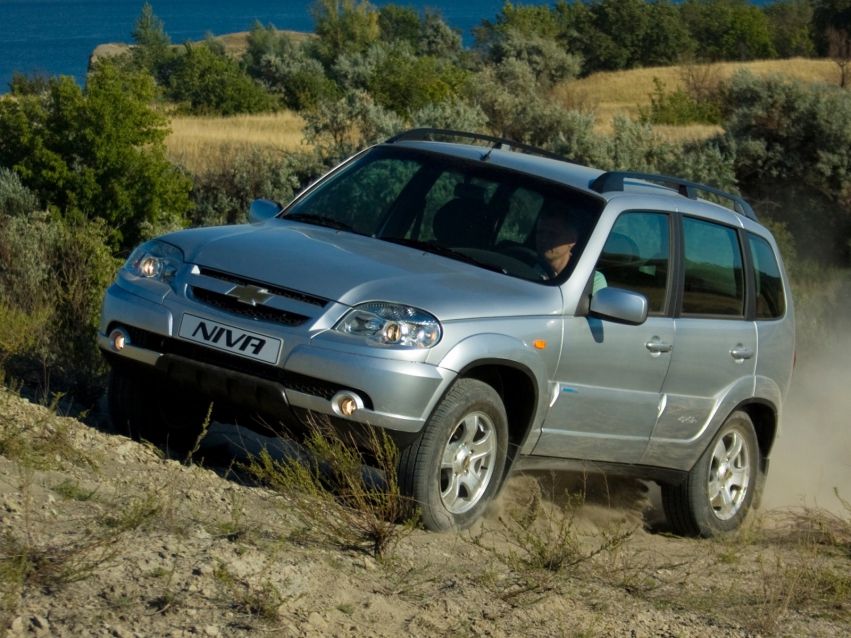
(148, 408)
(453, 469)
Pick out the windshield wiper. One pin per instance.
(443, 251)
(321, 220)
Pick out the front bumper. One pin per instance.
(397, 395)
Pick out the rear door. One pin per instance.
(715, 355)
(610, 375)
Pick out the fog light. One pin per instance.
(346, 402)
(348, 406)
(118, 339)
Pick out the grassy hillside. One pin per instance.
(197, 141)
(625, 91)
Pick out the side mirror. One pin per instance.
(263, 209)
(617, 304)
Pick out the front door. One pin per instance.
(610, 376)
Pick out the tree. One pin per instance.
(208, 83)
(728, 30)
(343, 25)
(399, 24)
(789, 23)
(95, 153)
(829, 14)
(152, 42)
(839, 51)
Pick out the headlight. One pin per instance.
(155, 260)
(392, 325)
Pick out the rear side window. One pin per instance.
(714, 280)
(770, 297)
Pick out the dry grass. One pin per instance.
(624, 91)
(199, 142)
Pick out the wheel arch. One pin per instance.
(518, 388)
(763, 414)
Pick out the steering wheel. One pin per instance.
(529, 257)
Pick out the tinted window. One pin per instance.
(466, 210)
(714, 282)
(636, 257)
(770, 298)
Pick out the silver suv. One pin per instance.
(494, 308)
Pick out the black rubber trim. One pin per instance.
(664, 475)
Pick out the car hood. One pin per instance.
(353, 269)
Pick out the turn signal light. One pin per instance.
(540, 344)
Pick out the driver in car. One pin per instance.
(555, 237)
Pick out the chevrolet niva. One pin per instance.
(494, 308)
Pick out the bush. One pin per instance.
(336, 498)
(15, 198)
(728, 29)
(340, 128)
(222, 195)
(204, 83)
(343, 26)
(52, 278)
(298, 79)
(547, 59)
(438, 39)
(399, 24)
(97, 153)
(402, 82)
(678, 108)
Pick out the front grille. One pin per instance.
(230, 304)
(290, 380)
(275, 290)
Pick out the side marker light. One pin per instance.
(540, 344)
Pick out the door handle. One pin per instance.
(658, 346)
(741, 353)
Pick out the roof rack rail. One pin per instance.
(614, 181)
(499, 143)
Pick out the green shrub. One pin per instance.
(152, 52)
(547, 59)
(399, 24)
(403, 82)
(343, 26)
(223, 194)
(202, 82)
(678, 108)
(438, 39)
(298, 79)
(15, 198)
(789, 23)
(52, 278)
(97, 153)
(728, 29)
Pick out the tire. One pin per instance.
(146, 408)
(718, 492)
(470, 420)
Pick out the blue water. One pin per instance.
(57, 36)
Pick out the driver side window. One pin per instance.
(636, 257)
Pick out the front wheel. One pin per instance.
(147, 408)
(719, 490)
(453, 470)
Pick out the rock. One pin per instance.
(211, 630)
(17, 626)
(316, 620)
(120, 632)
(40, 622)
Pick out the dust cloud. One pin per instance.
(813, 454)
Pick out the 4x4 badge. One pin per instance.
(251, 295)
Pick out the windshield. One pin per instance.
(468, 210)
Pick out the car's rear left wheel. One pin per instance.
(453, 469)
(718, 492)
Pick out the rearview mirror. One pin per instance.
(263, 209)
(617, 304)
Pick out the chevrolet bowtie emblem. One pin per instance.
(251, 295)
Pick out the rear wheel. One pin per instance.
(718, 492)
(146, 407)
(453, 470)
